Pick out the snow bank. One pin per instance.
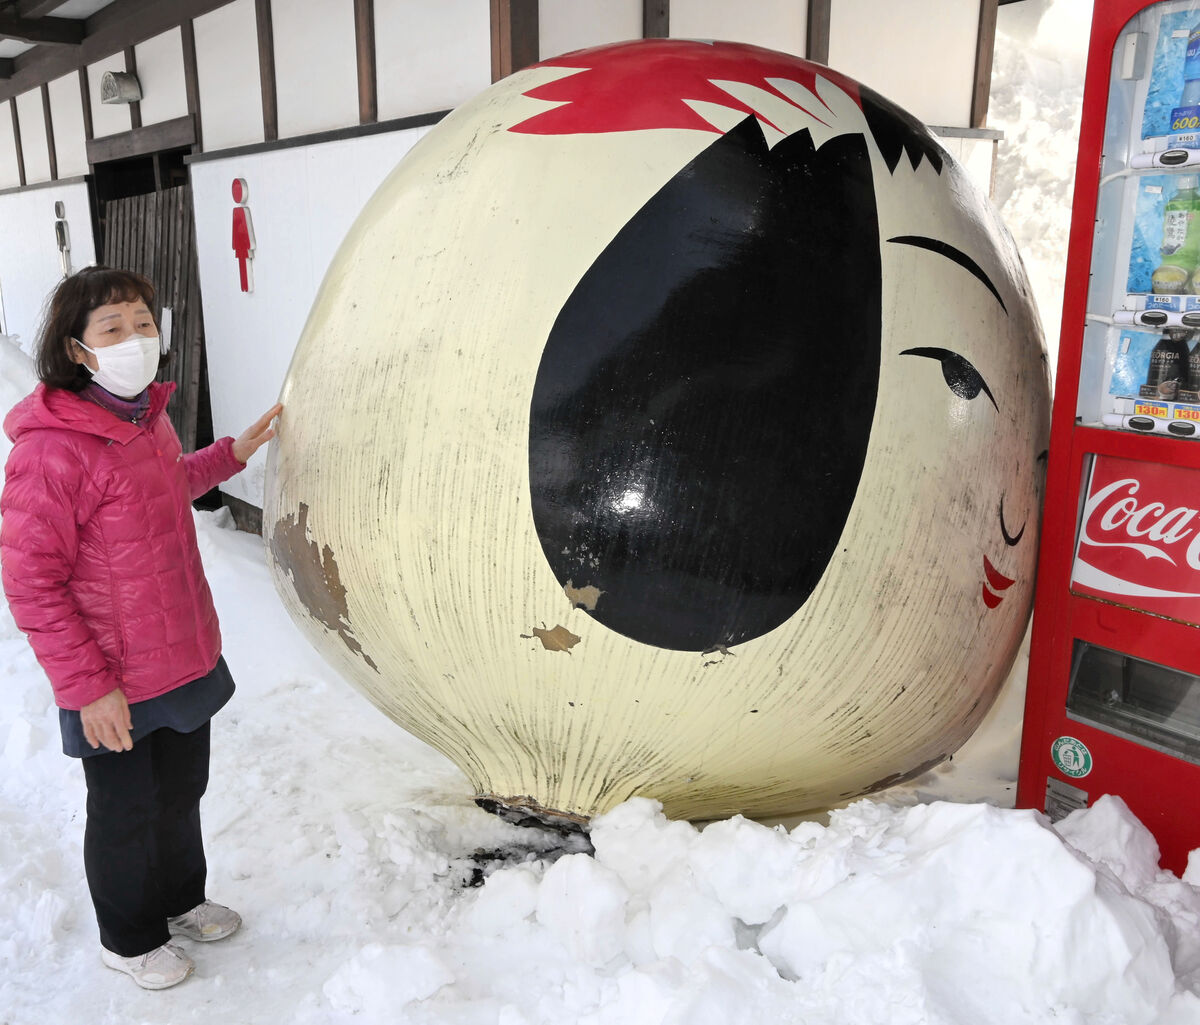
(938, 913)
(1036, 99)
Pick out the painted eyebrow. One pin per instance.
(935, 245)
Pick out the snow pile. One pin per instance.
(1036, 99)
(939, 913)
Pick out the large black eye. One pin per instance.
(964, 380)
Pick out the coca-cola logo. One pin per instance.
(1116, 509)
(1136, 544)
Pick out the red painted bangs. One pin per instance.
(643, 84)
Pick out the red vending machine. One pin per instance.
(1113, 704)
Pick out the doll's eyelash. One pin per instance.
(961, 376)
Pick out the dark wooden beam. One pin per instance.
(16, 123)
(656, 19)
(7, 67)
(816, 45)
(135, 108)
(191, 78)
(514, 36)
(122, 23)
(398, 124)
(266, 70)
(51, 31)
(36, 8)
(985, 48)
(175, 134)
(85, 94)
(50, 149)
(364, 43)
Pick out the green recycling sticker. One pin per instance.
(1071, 757)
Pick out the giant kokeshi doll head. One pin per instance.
(671, 422)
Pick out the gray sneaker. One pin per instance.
(161, 968)
(205, 922)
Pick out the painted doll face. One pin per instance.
(703, 399)
(703, 415)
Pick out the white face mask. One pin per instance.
(126, 368)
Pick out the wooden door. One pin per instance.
(154, 235)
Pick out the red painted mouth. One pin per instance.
(997, 581)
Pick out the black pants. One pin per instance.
(142, 848)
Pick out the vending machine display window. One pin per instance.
(1141, 358)
(1136, 699)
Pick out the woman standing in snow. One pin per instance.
(103, 574)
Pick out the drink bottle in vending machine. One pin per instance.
(1113, 700)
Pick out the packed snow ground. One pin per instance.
(350, 847)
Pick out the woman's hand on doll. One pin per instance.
(256, 435)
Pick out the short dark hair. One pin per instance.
(66, 317)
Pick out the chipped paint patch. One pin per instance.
(314, 574)
(721, 650)
(582, 597)
(557, 639)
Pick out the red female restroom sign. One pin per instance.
(1139, 540)
(243, 234)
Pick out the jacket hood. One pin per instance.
(59, 409)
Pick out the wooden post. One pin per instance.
(51, 151)
(656, 19)
(85, 94)
(816, 45)
(135, 108)
(266, 70)
(514, 36)
(364, 42)
(16, 123)
(191, 79)
(985, 46)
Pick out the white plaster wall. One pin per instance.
(302, 202)
(107, 118)
(426, 62)
(30, 270)
(9, 172)
(978, 156)
(32, 117)
(160, 71)
(776, 24)
(227, 70)
(918, 53)
(66, 114)
(316, 71)
(572, 26)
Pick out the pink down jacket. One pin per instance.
(98, 547)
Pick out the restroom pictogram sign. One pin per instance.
(243, 234)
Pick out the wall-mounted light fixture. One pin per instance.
(120, 87)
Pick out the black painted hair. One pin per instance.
(66, 317)
(897, 132)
